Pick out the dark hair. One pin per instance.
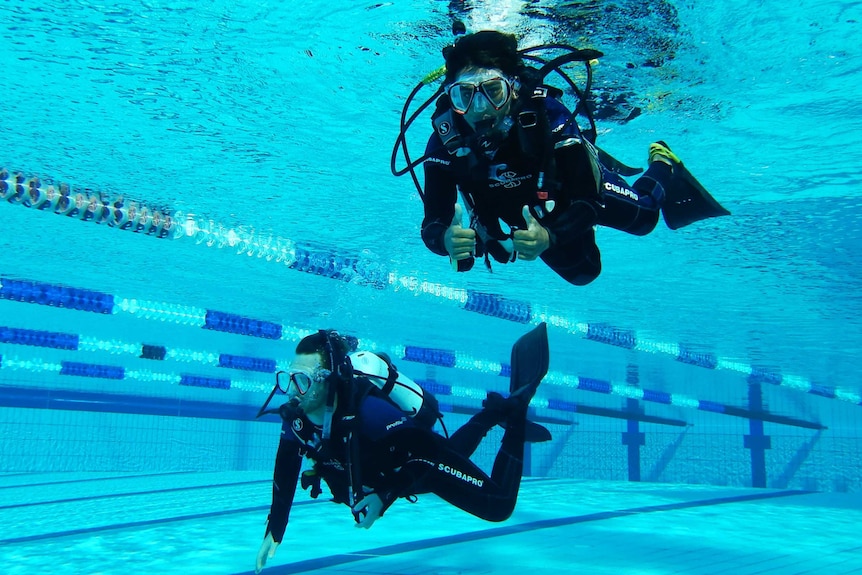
(486, 49)
(317, 343)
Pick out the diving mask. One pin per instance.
(482, 97)
(300, 381)
(293, 384)
(495, 92)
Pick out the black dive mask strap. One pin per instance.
(263, 408)
(340, 375)
(330, 407)
(275, 388)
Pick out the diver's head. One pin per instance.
(308, 382)
(321, 360)
(482, 79)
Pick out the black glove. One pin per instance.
(310, 478)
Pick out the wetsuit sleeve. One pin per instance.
(441, 193)
(288, 463)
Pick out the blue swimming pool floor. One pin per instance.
(189, 523)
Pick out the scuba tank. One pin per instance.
(416, 402)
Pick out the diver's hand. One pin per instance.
(266, 551)
(460, 242)
(372, 505)
(530, 243)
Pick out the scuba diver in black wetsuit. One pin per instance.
(370, 450)
(532, 180)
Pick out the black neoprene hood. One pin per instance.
(486, 49)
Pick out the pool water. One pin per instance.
(713, 362)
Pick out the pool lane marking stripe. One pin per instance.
(88, 531)
(134, 493)
(89, 479)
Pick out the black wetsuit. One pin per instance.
(398, 458)
(578, 193)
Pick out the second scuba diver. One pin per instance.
(532, 180)
(369, 434)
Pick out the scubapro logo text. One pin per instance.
(621, 191)
(460, 475)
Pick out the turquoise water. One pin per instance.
(283, 119)
(277, 121)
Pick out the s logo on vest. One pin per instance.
(297, 424)
(444, 128)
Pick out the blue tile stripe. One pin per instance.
(131, 526)
(756, 441)
(99, 496)
(562, 405)
(69, 400)
(100, 402)
(609, 413)
(92, 479)
(710, 406)
(633, 438)
(762, 415)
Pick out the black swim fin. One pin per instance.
(686, 200)
(535, 433)
(530, 359)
